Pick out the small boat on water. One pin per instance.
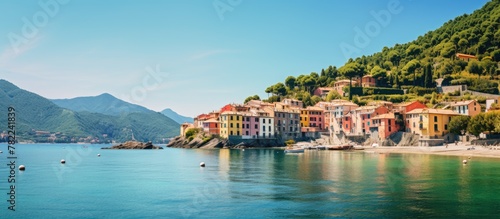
(341, 147)
(294, 150)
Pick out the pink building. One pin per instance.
(250, 125)
(368, 81)
(339, 85)
(362, 118)
(323, 91)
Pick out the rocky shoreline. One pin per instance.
(134, 145)
(206, 141)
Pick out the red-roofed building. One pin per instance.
(465, 57)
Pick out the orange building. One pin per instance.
(466, 108)
(385, 124)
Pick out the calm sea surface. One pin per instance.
(245, 184)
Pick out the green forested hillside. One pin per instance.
(35, 113)
(104, 104)
(418, 63)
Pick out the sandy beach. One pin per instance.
(452, 150)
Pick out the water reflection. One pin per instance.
(354, 184)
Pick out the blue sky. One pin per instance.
(196, 56)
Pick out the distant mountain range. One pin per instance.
(176, 117)
(41, 120)
(107, 104)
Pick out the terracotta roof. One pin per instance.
(385, 116)
(404, 103)
(461, 55)
(462, 103)
(433, 111)
(315, 108)
(345, 80)
(366, 108)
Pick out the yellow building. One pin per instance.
(231, 124)
(429, 123)
(304, 118)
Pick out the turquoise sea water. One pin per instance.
(245, 184)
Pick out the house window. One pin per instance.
(256, 119)
(435, 127)
(264, 121)
(215, 125)
(238, 132)
(256, 126)
(413, 124)
(248, 119)
(246, 132)
(237, 126)
(269, 121)
(231, 132)
(263, 128)
(231, 118)
(389, 128)
(435, 118)
(248, 126)
(231, 125)
(445, 127)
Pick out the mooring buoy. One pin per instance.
(63, 161)
(202, 164)
(464, 161)
(22, 167)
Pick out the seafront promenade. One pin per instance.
(461, 149)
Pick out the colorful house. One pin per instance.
(250, 125)
(323, 91)
(429, 123)
(385, 124)
(368, 81)
(362, 118)
(286, 120)
(211, 126)
(339, 109)
(466, 108)
(339, 86)
(293, 103)
(231, 124)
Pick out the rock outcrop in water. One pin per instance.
(134, 145)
